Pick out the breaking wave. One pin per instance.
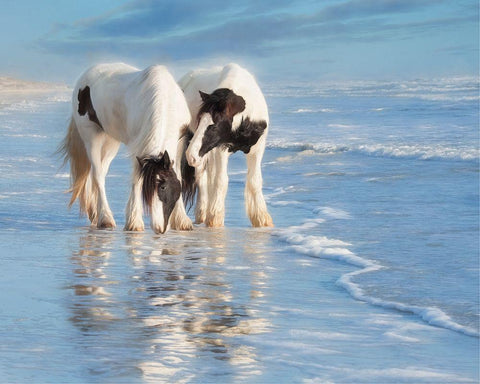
(422, 152)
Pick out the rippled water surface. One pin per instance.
(370, 275)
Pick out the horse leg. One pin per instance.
(179, 219)
(217, 185)
(134, 210)
(109, 151)
(254, 200)
(202, 195)
(100, 150)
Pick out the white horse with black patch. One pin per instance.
(229, 114)
(146, 110)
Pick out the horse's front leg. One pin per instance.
(254, 200)
(202, 195)
(134, 210)
(217, 188)
(179, 219)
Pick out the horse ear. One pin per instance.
(235, 105)
(166, 160)
(204, 96)
(140, 161)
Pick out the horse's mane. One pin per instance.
(152, 169)
(153, 109)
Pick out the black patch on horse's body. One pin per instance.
(85, 105)
(246, 135)
(242, 139)
(160, 178)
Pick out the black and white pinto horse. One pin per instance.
(146, 110)
(229, 114)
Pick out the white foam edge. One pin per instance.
(406, 150)
(431, 315)
(336, 250)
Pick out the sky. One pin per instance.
(281, 40)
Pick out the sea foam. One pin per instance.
(300, 239)
(420, 152)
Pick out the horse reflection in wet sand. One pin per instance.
(154, 309)
(145, 110)
(229, 114)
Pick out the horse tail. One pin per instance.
(73, 150)
(189, 188)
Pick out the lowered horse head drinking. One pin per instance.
(147, 111)
(160, 184)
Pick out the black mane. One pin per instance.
(246, 135)
(241, 139)
(159, 178)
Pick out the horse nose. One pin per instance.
(193, 160)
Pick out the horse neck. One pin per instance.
(158, 112)
(151, 138)
(149, 124)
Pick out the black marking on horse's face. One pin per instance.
(242, 139)
(221, 104)
(85, 105)
(160, 178)
(215, 135)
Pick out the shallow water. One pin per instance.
(370, 275)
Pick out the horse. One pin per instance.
(229, 114)
(146, 111)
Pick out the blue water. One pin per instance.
(371, 273)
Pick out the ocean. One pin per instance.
(370, 275)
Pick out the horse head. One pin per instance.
(161, 188)
(214, 119)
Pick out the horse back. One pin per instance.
(133, 105)
(99, 95)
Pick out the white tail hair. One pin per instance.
(73, 151)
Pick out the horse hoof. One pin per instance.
(181, 223)
(214, 222)
(183, 227)
(264, 220)
(134, 228)
(199, 218)
(106, 224)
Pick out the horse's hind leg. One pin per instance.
(254, 200)
(102, 149)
